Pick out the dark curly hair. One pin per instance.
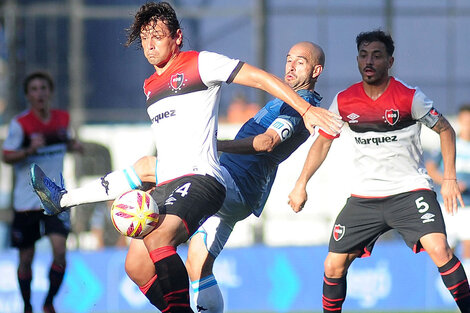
(376, 35)
(153, 11)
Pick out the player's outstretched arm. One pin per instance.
(264, 142)
(313, 116)
(316, 155)
(450, 189)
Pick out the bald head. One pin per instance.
(304, 64)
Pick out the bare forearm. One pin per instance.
(17, 156)
(316, 155)
(447, 138)
(257, 78)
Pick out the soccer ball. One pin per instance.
(134, 214)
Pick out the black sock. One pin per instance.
(154, 293)
(334, 293)
(24, 281)
(56, 275)
(456, 282)
(172, 278)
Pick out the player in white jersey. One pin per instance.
(39, 134)
(392, 190)
(182, 97)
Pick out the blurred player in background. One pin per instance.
(457, 225)
(40, 135)
(182, 97)
(392, 190)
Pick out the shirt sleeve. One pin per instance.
(421, 105)
(14, 139)
(333, 108)
(215, 68)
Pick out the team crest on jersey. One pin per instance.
(338, 232)
(392, 116)
(177, 81)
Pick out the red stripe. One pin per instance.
(451, 270)
(380, 197)
(147, 286)
(329, 282)
(167, 181)
(457, 285)
(161, 253)
(326, 135)
(463, 296)
(332, 300)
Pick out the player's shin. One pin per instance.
(456, 282)
(172, 278)
(334, 293)
(108, 187)
(207, 295)
(153, 292)
(56, 276)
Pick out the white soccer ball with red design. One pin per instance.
(134, 214)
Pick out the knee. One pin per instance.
(145, 166)
(139, 272)
(440, 251)
(334, 269)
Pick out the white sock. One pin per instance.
(207, 295)
(108, 187)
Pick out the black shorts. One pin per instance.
(30, 226)
(193, 198)
(363, 220)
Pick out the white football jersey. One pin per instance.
(50, 157)
(183, 108)
(388, 157)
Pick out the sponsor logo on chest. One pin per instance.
(160, 116)
(375, 140)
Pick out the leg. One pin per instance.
(208, 242)
(57, 270)
(171, 275)
(199, 264)
(449, 266)
(334, 281)
(25, 276)
(56, 199)
(141, 270)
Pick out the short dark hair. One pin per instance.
(153, 11)
(464, 108)
(376, 35)
(35, 75)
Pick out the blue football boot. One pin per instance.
(48, 192)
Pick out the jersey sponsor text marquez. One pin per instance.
(386, 137)
(179, 101)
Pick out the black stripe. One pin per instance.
(170, 93)
(235, 72)
(380, 127)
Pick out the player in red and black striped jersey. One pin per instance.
(38, 135)
(393, 190)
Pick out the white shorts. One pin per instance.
(457, 226)
(217, 228)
